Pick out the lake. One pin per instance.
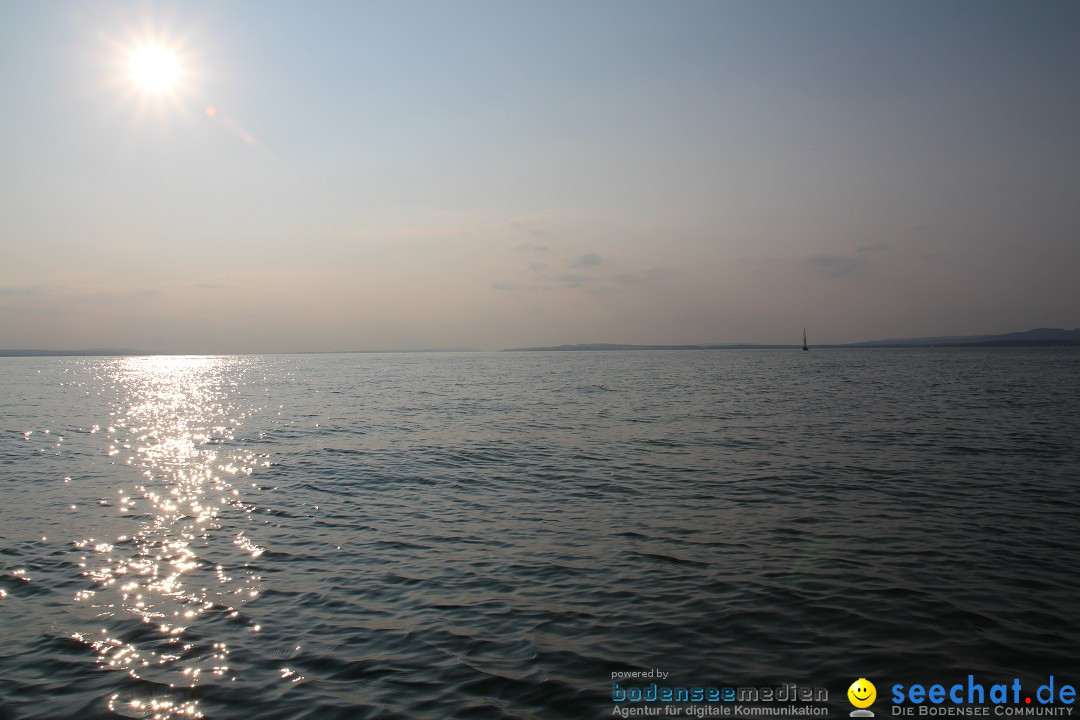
(490, 535)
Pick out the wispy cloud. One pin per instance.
(842, 265)
(76, 294)
(835, 265)
(873, 248)
(646, 277)
(11, 290)
(111, 295)
(573, 280)
(531, 233)
(587, 260)
(531, 247)
(507, 286)
(531, 226)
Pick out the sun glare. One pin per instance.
(154, 68)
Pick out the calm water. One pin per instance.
(491, 535)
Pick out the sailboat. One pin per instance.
(804, 339)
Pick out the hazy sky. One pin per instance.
(494, 174)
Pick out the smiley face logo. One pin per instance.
(862, 693)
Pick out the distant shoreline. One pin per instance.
(76, 353)
(851, 346)
(148, 353)
(559, 348)
(1039, 337)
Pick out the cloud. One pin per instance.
(530, 233)
(835, 265)
(530, 247)
(116, 295)
(573, 280)
(587, 260)
(507, 286)
(646, 277)
(80, 295)
(842, 265)
(534, 226)
(9, 290)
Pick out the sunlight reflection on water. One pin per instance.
(172, 572)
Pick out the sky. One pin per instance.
(389, 175)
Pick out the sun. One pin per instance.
(154, 68)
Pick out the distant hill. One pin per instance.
(1038, 336)
(613, 346)
(609, 346)
(1027, 338)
